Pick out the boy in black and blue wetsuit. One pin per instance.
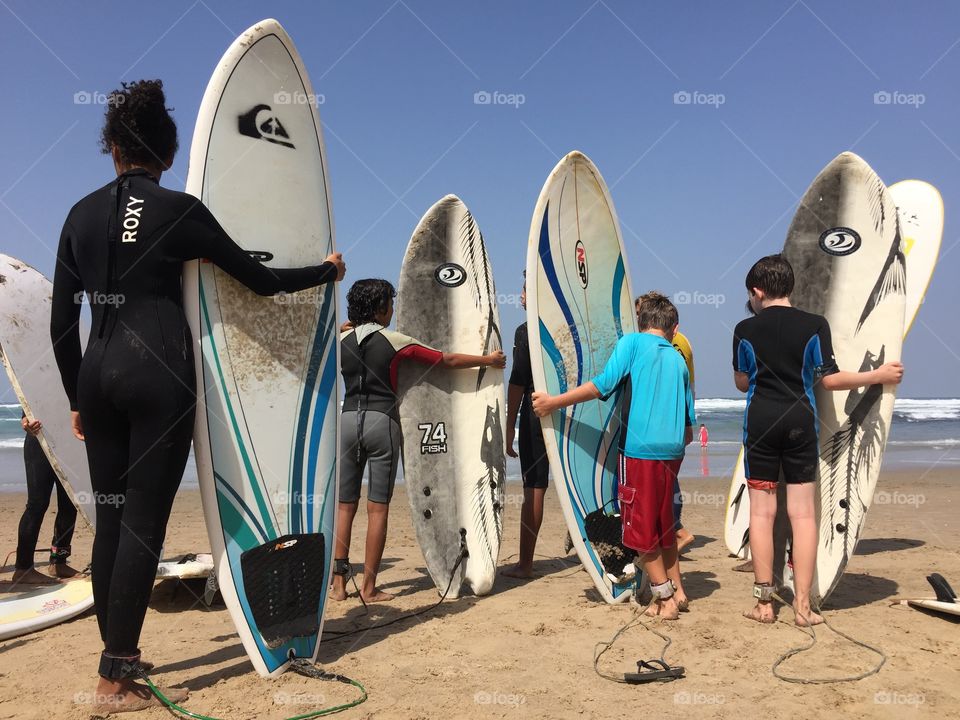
(779, 356)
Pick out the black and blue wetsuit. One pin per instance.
(784, 351)
(124, 246)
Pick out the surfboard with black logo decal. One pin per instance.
(266, 438)
(579, 303)
(845, 248)
(453, 420)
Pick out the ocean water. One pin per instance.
(925, 434)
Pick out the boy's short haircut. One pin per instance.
(656, 312)
(773, 275)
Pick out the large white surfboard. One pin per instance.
(266, 439)
(453, 420)
(845, 247)
(579, 303)
(44, 607)
(27, 354)
(920, 209)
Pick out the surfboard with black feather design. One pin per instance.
(453, 420)
(845, 248)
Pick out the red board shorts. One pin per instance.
(646, 503)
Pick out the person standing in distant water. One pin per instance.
(132, 392)
(41, 480)
(534, 466)
(704, 436)
(370, 433)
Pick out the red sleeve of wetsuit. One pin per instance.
(417, 353)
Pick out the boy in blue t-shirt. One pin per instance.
(659, 426)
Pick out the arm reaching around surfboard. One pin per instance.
(545, 403)
(460, 361)
(890, 373)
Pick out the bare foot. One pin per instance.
(664, 609)
(119, 696)
(338, 594)
(683, 602)
(33, 577)
(518, 571)
(762, 613)
(62, 570)
(684, 538)
(376, 596)
(805, 617)
(744, 567)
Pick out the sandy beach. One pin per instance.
(527, 649)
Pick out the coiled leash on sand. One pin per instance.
(808, 629)
(647, 670)
(301, 666)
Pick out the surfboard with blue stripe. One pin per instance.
(579, 303)
(266, 440)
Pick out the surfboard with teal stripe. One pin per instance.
(266, 440)
(579, 303)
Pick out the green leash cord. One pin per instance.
(298, 666)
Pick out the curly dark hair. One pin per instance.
(139, 124)
(366, 298)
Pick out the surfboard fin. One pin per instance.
(942, 588)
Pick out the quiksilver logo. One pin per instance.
(260, 122)
(582, 264)
(131, 219)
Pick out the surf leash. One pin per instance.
(808, 629)
(647, 670)
(453, 573)
(301, 666)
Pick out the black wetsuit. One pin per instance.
(124, 245)
(784, 352)
(534, 466)
(41, 480)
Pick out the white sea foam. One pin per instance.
(718, 405)
(931, 409)
(11, 443)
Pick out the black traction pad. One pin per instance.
(283, 579)
(605, 533)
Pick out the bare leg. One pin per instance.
(655, 566)
(345, 515)
(802, 512)
(671, 564)
(376, 540)
(763, 512)
(531, 517)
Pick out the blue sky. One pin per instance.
(702, 188)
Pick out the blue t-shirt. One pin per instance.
(661, 401)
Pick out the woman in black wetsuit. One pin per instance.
(132, 393)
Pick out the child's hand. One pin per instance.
(890, 373)
(542, 403)
(511, 435)
(497, 359)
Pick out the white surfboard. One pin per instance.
(579, 303)
(453, 420)
(845, 248)
(920, 209)
(186, 568)
(267, 411)
(44, 607)
(27, 354)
